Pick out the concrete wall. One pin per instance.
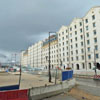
(47, 91)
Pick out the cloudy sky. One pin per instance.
(24, 22)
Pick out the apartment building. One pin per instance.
(78, 43)
(53, 52)
(24, 58)
(33, 55)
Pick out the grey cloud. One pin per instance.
(3, 56)
(22, 19)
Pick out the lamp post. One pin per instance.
(49, 58)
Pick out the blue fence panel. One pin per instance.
(11, 87)
(67, 75)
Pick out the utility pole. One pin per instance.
(49, 58)
(95, 62)
(49, 61)
(20, 74)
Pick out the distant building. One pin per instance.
(76, 45)
(33, 57)
(24, 58)
(53, 52)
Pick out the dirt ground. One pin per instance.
(82, 95)
(27, 80)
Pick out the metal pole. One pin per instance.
(49, 61)
(95, 62)
(56, 76)
(20, 74)
(20, 77)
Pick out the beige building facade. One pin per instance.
(79, 42)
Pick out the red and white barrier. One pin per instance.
(14, 95)
(96, 76)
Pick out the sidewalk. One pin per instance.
(84, 76)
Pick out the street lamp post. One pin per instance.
(49, 58)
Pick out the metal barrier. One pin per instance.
(14, 95)
(11, 87)
(67, 75)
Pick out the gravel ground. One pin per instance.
(27, 80)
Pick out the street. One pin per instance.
(88, 82)
(87, 89)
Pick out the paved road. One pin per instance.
(89, 85)
(89, 82)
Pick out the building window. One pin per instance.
(72, 58)
(94, 25)
(71, 46)
(96, 47)
(67, 53)
(89, 56)
(81, 30)
(76, 45)
(59, 34)
(70, 28)
(93, 17)
(75, 32)
(66, 31)
(82, 51)
(64, 59)
(77, 66)
(81, 43)
(75, 26)
(76, 57)
(89, 65)
(66, 36)
(76, 51)
(71, 52)
(62, 38)
(80, 23)
(72, 65)
(75, 38)
(88, 42)
(95, 40)
(63, 48)
(67, 47)
(97, 56)
(70, 34)
(67, 59)
(62, 33)
(88, 49)
(71, 40)
(94, 31)
(86, 20)
(66, 42)
(87, 28)
(87, 34)
(81, 36)
(63, 54)
(82, 57)
(59, 44)
(63, 43)
(83, 65)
